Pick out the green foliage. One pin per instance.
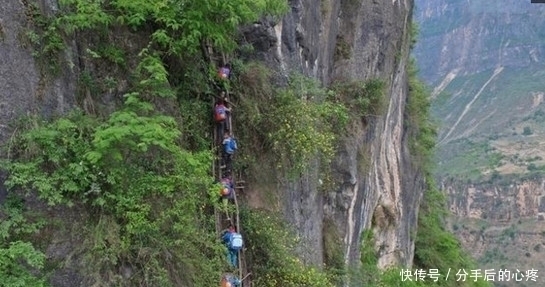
(413, 34)
(297, 123)
(301, 124)
(271, 254)
(179, 27)
(168, 37)
(364, 98)
(368, 274)
(195, 115)
(150, 196)
(13, 272)
(435, 247)
(20, 261)
(153, 74)
(419, 119)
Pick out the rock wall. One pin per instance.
(377, 188)
(467, 37)
(25, 88)
(501, 222)
(497, 203)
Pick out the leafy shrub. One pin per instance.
(149, 195)
(301, 127)
(20, 261)
(364, 98)
(271, 253)
(298, 123)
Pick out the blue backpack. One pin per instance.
(233, 144)
(236, 241)
(230, 146)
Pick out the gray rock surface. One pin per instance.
(352, 40)
(471, 37)
(25, 88)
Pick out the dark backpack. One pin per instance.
(219, 113)
(236, 241)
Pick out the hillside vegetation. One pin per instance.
(123, 182)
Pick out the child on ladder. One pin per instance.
(233, 241)
(229, 148)
(221, 117)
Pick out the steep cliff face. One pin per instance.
(376, 186)
(384, 196)
(497, 203)
(484, 62)
(500, 222)
(24, 87)
(467, 37)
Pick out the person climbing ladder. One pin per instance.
(233, 241)
(229, 148)
(224, 74)
(226, 146)
(221, 114)
(227, 189)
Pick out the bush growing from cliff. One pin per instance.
(270, 253)
(177, 27)
(364, 98)
(165, 39)
(297, 122)
(149, 196)
(20, 261)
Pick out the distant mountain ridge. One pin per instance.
(485, 64)
(474, 36)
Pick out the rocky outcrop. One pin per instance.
(500, 222)
(467, 37)
(377, 188)
(25, 87)
(497, 203)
